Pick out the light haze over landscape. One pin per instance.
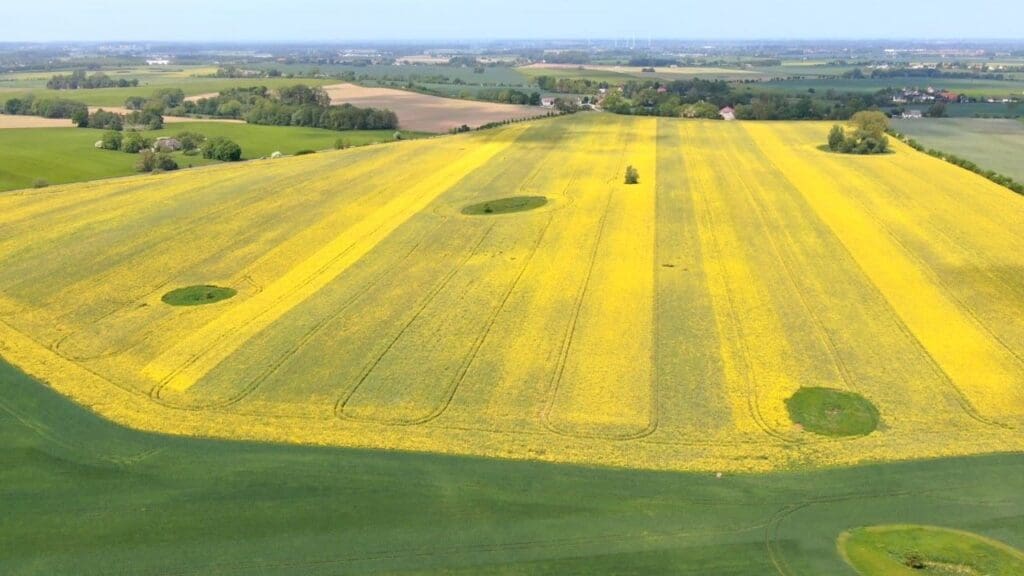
(482, 288)
(305, 20)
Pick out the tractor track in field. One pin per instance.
(568, 337)
(971, 255)
(193, 225)
(959, 395)
(822, 333)
(482, 337)
(468, 549)
(394, 215)
(753, 401)
(934, 277)
(342, 403)
(771, 529)
(478, 343)
(317, 328)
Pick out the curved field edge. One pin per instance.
(109, 494)
(803, 336)
(909, 548)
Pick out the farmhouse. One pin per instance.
(912, 114)
(158, 62)
(727, 113)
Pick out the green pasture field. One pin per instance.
(83, 496)
(993, 144)
(984, 110)
(61, 155)
(976, 88)
(663, 73)
(593, 75)
(492, 75)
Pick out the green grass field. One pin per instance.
(61, 155)
(82, 496)
(984, 110)
(959, 85)
(905, 550)
(992, 144)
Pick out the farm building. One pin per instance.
(727, 113)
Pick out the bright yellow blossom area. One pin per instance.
(659, 325)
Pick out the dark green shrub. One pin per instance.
(222, 149)
(134, 142)
(111, 140)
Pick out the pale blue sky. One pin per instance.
(346, 20)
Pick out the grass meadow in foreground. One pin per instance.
(62, 155)
(84, 496)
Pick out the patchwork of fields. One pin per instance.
(661, 325)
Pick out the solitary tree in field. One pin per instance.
(870, 123)
(868, 136)
(836, 137)
(632, 175)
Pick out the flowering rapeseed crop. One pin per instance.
(658, 325)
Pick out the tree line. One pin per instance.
(79, 80)
(46, 107)
(698, 98)
(298, 105)
(569, 85)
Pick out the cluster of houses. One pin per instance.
(927, 95)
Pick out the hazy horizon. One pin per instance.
(235, 21)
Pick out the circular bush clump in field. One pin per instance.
(198, 295)
(910, 549)
(832, 412)
(506, 205)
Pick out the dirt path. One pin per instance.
(9, 121)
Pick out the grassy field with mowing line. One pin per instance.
(992, 144)
(62, 155)
(662, 325)
(84, 496)
(904, 550)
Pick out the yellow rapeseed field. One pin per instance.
(659, 325)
